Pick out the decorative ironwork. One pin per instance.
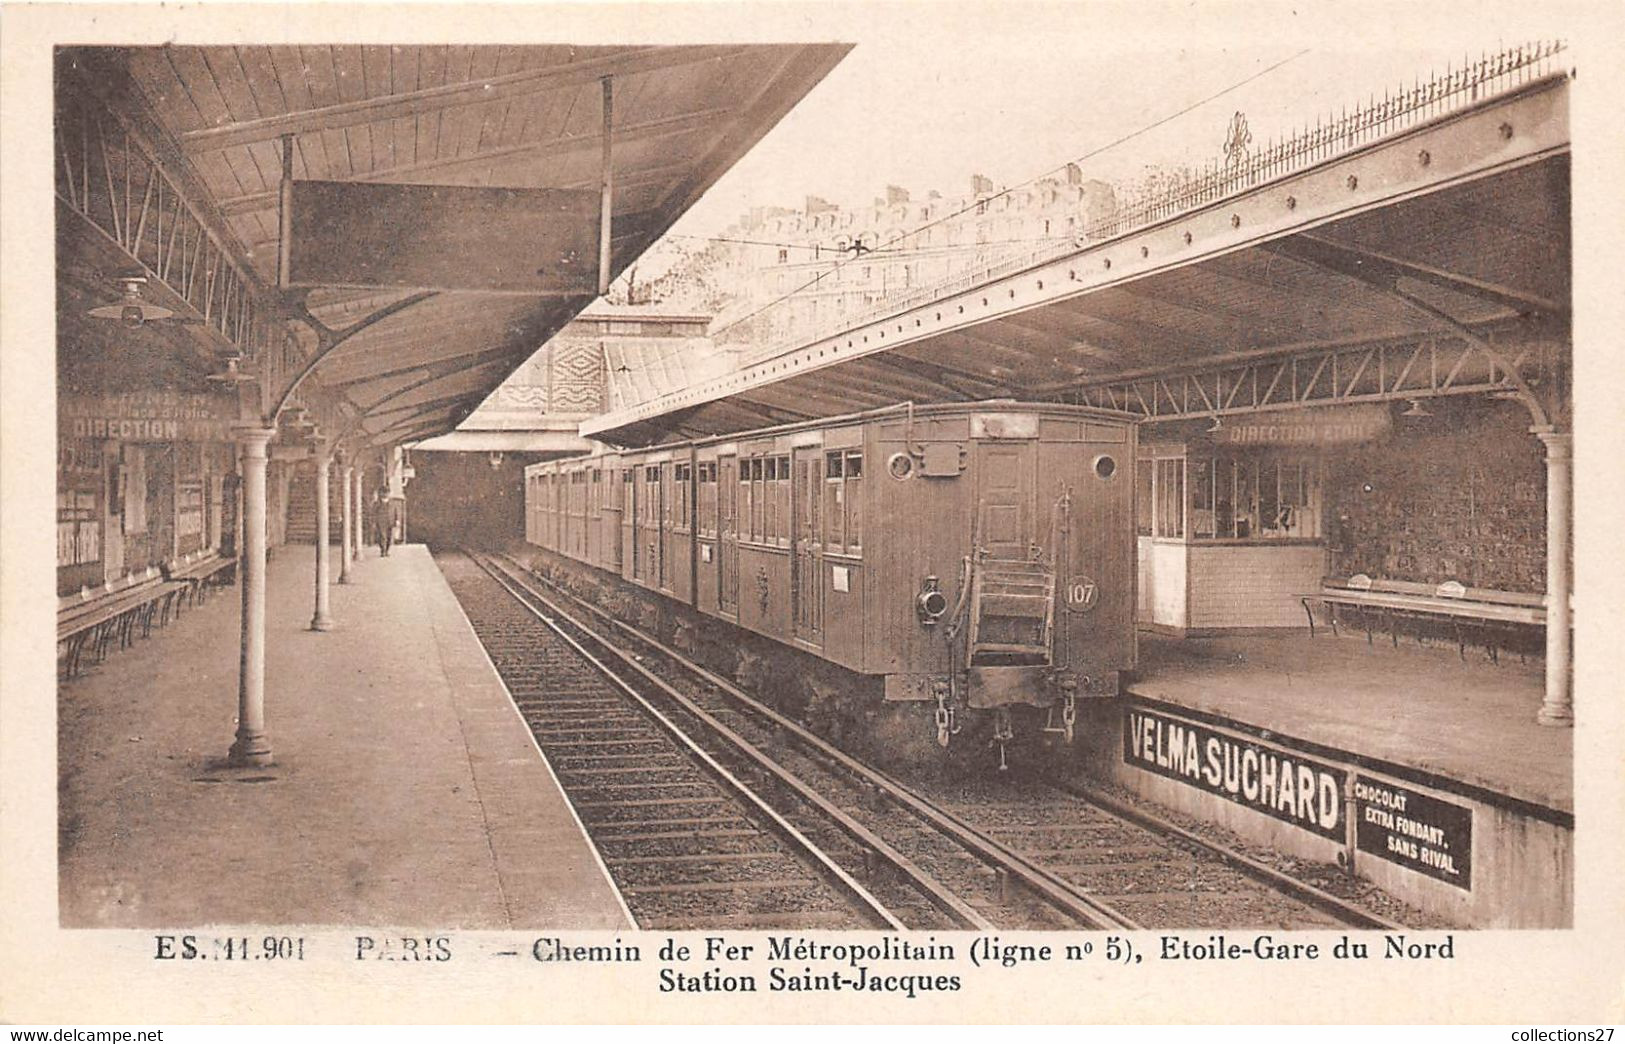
(1238, 141)
(1369, 373)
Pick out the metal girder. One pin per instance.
(433, 99)
(329, 339)
(440, 366)
(425, 404)
(936, 377)
(1366, 373)
(409, 388)
(410, 429)
(1510, 297)
(1382, 275)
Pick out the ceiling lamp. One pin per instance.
(1417, 410)
(131, 309)
(233, 374)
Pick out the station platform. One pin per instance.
(1422, 707)
(406, 790)
(1412, 768)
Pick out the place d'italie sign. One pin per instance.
(1324, 426)
(153, 415)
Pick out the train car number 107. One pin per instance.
(1082, 593)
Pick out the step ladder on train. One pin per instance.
(1011, 612)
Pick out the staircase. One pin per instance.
(302, 509)
(1012, 612)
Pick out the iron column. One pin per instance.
(323, 459)
(1557, 708)
(347, 510)
(252, 746)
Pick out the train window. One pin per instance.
(832, 465)
(597, 475)
(854, 502)
(679, 497)
(707, 522)
(1105, 466)
(779, 530)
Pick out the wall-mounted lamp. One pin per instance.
(233, 374)
(496, 460)
(1417, 410)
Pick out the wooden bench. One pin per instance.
(1481, 612)
(93, 620)
(202, 574)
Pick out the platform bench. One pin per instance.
(86, 622)
(1482, 613)
(205, 573)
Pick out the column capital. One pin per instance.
(1559, 444)
(252, 434)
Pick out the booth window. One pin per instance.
(1233, 497)
(1170, 498)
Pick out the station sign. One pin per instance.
(443, 237)
(1414, 830)
(154, 415)
(1256, 775)
(1323, 426)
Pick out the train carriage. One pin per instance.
(972, 557)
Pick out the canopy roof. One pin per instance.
(1439, 228)
(520, 117)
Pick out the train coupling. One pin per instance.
(946, 725)
(1065, 684)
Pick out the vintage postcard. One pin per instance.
(873, 512)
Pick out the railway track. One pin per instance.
(688, 844)
(985, 854)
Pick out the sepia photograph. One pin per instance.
(853, 487)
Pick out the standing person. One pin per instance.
(383, 521)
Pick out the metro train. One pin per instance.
(971, 560)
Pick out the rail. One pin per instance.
(1048, 887)
(550, 614)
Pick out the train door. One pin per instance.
(633, 508)
(661, 523)
(806, 551)
(1005, 497)
(613, 490)
(728, 535)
